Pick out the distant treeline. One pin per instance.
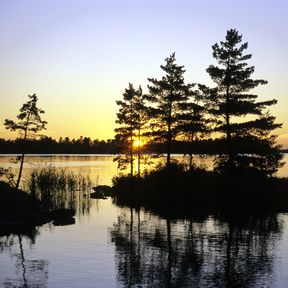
(48, 145)
(85, 145)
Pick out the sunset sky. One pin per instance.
(79, 56)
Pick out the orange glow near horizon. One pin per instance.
(138, 143)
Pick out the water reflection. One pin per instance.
(149, 250)
(29, 272)
(156, 252)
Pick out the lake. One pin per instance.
(110, 246)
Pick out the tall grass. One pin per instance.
(59, 188)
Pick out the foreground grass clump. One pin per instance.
(179, 190)
(56, 188)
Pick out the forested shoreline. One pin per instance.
(85, 145)
(48, 145)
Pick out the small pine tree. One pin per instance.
(28, 125)
(131, 120)
(194, 124)
(249, 145)
(167, 97)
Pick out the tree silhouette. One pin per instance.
(194, 122)
(248, 144)
(141, 118)
(167, 96)
(131, 120)
(28, 125)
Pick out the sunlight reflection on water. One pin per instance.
(101, 167)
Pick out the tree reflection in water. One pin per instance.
(29, 273)
(214, 252)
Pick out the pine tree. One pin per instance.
(193, 122)
(141, 118)
(249, 146)
(131, 120)
(28, 125)
(167, 96)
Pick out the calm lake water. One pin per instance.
(110, 246)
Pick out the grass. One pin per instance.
(59, 188)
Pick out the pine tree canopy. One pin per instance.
(168, 98)
(233, 103)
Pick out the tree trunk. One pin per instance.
(139, 151)
(228, 130)
(20, 170)
(191, 153)
(228, 137)
(23, 154)
(168, 159)
(190, 161)
(169, 138)
(228, 126)
(131, 154)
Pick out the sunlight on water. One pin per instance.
(101, 168)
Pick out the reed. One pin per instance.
(59, 188)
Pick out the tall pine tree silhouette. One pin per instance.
(167, 97)
(194, 122)
(249, 146)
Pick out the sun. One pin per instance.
(138, 143)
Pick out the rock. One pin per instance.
(98, 195)
(101, 192)
(62, 214)
(64, 222)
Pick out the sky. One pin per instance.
(79, 56)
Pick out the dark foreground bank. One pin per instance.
(19, 210)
